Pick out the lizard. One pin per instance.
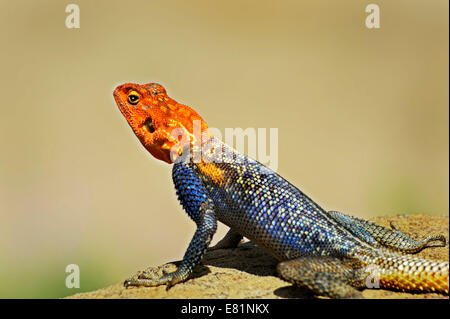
(328, 253)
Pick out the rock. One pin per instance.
(249, 272)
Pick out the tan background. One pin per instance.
(362, 117)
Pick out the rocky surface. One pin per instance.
(249, 272)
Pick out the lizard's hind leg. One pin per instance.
(230, 240)
(326, 276)
(380, 235)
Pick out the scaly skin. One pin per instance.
(330, 253)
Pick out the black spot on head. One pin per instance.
(149, 125)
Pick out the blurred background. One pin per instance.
(362, 118)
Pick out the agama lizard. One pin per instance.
(329, 253)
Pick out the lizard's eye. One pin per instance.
(133, 97)
(148, 125)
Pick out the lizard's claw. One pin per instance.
(169, 279)
(178, 276)
(143, 282)
(171, 283)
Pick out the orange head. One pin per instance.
(162, 125)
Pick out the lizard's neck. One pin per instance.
(207, 149)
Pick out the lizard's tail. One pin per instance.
(406, 272)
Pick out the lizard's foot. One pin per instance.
(425, 242)
(379, 235)
(157, 277)
(432, 238)
(418, 245)
(325, 276)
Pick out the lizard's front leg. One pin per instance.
(195, 200)
(206, 227)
